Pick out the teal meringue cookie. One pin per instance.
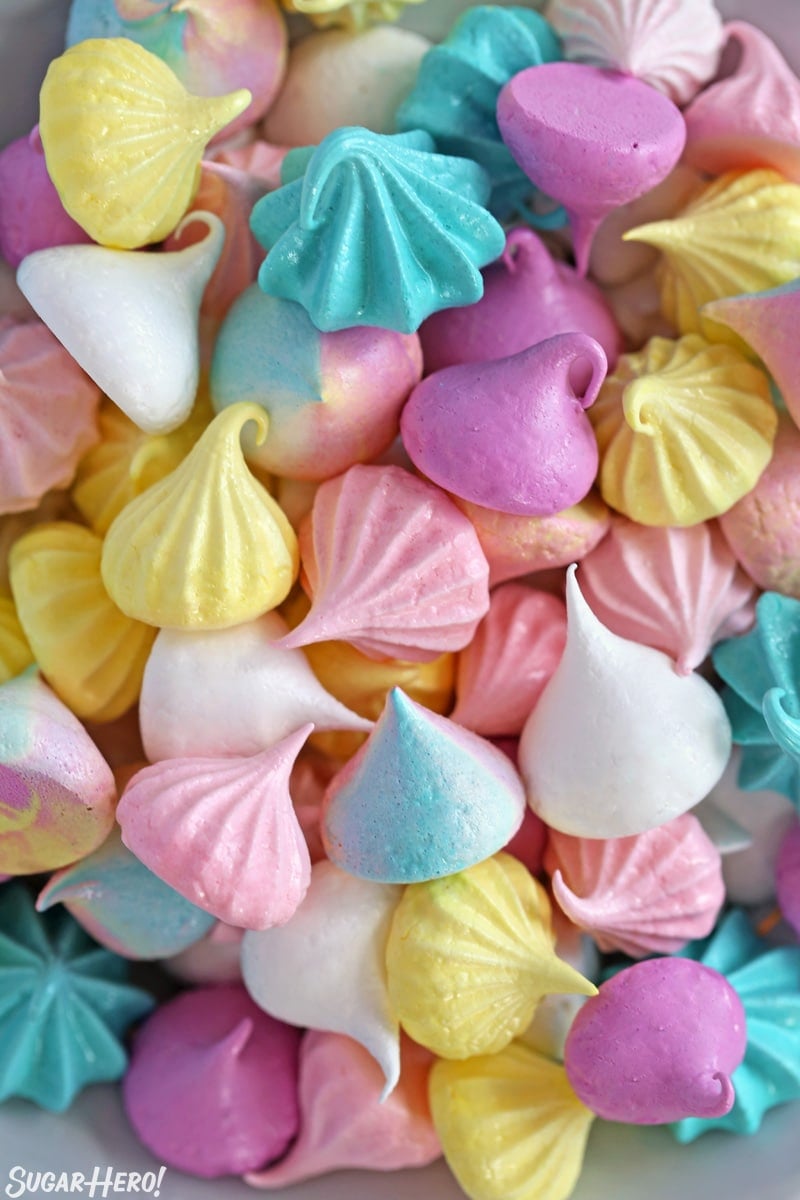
(767, 982)
(64, 1005)
(459, 82)
(377, 230)
(124, 906)
(762, 699)
(421, 799)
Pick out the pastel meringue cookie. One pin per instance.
(761, 528)
(212, 1084)
(48, 414)
(90, 297)
(674, 45)
(15, 652)
(337, 77)
(651, 434)
(431, 211)
(243, 691)
(555, 1012)
(659, 1043)
(351, 14)
(589, 138)
(373, 824)
(502, 672)
(750, 118)
(511, 434)
(124, 906)
(333, 399)
(256, 875)
(592, 765)
(58, 790)
(32, 216)
(480, 932)
(213, 48)
(517, 546)
(528, 297)
(257, 158)
(345, 1119)
(123, 139)
(325, 968)
(787, 877)
(648, 894)
(740, 233)
(392, 566)
(678, 590)
(215, 958)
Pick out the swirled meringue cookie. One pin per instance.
(592, 765)
(678, 590)
(674, 45)
(374, 825)
(663, 460)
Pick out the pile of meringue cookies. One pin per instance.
(400, 583)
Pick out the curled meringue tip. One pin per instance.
(720, 1094)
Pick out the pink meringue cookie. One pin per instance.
(678, 590)
(231, 692)
(516, 648)
(674, 45)
(214, 959)
(750, 118)
(326, 967)
(48, 414)
(345, 1121)
(311, 775)
(529, 842)
(589, 138)
(255, 872)
(32, 216)
(648, 894)
(527, 297)
(212, 1084)
(517, 546)
(392, 567)
(787, 877)
(258, 159)
(763, 528)
(658, 1043)
(511, 434)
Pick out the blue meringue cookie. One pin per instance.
(421, 799)
(64, 1005)
(768, 984)
(762, 699)
(455, 96)
(378, 230)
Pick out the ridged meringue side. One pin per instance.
(325, 968)
(672, 45)
(207, 547)
(648, 894)
(392, 566)
(666, 459)
(256, 874)
(515, 650)
(678, 590)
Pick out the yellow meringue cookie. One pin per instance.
(740, 234)
(352, 14)
(510, 1125)
(123, 139)
(15, 653)
(684, 430)
(470, 955)
(92, 655)
(207, 547)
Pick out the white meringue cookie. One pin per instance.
(619, 743)
(231, 691)
(326, 969)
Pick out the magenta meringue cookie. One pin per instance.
(212, 1084)
(787, 877)
(32, 216)
(511, 434)
(658, 1043)
(527, 297)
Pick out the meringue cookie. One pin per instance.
(31, 215)
(593, 766)
(374, 824)
(787, 877)
(15, 653)
(214, 959)
(243, 692)
(325, 967)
